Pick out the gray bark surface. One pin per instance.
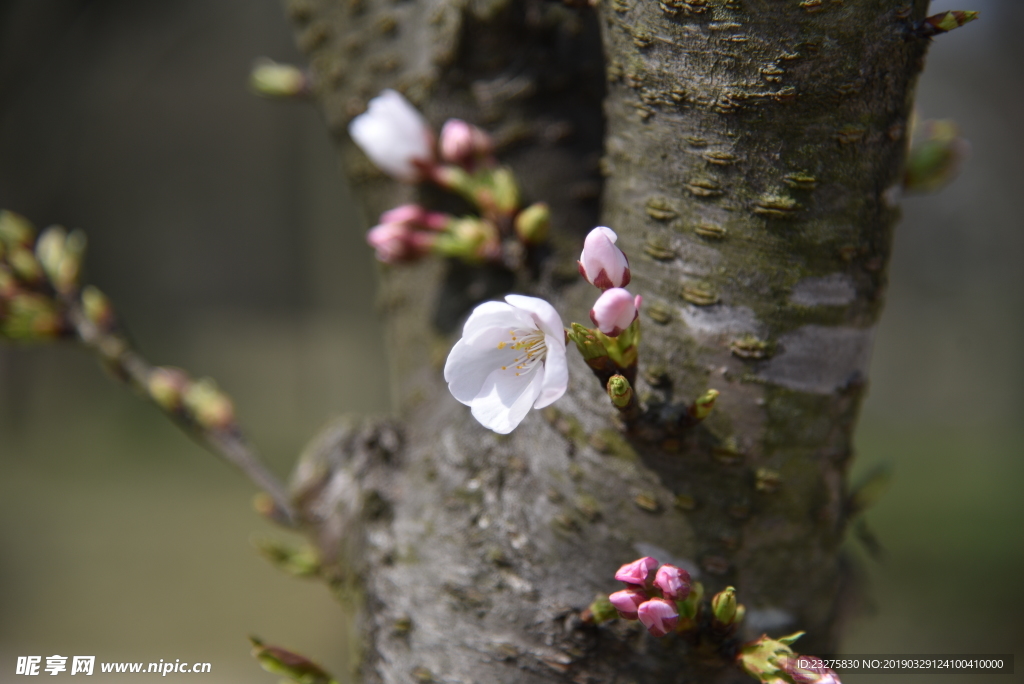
(749, 153)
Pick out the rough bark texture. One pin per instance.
(751, 157)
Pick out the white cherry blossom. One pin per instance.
(511, 358)
(395, 136)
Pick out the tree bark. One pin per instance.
(751, 154)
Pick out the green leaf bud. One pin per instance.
(15, 229)
(723, 606)
(208, 406)
(619, 391)
(278, 81)
(533, 223)
(702, 406)
(295, 667)
(167, 386)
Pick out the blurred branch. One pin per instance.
(41, 298)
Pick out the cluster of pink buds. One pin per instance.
(651, 594)
(406, 233)
(400, 142)
(605, 266)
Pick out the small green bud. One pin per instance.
(24, 264)
(15, 229)
(619, 391)
(278, 81)
(30, 317)
(723, 606)
(97, 307)
(533, 223)
(8, 283)
(947, 21)
(505, 190)
(295, 667)
(301, 562)
(601, 610)
(208, 406)
(935, 160)
(470, 239)
(589, 345)
(60, 255)
(689, 607)
(167, 386)
(703, 405)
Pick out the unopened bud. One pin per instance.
(208, 406)
(30, 317)
(97, 307)
(505, 190)
(702, 406)
(167, 386)
(947, 21)
(674, 582)
(619, 391)
(602, 610)
(602, 263)
(640, 572)
(295, 667)
(60, 254)
(723, 606)
(24, 264)
(533, 223)
(465, 144)
(628, 601)
(470, 239)
(301, 562)
(935, 160)
(278, 81)
(690, 606)
(615, 310)
(658, 616)
(15, 229)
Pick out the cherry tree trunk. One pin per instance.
(749, 155)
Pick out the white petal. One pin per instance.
(471, 361)
(495, 315)
(547, 319)
(393, 134)
(556, 372)
(607, 232)
(505, 399)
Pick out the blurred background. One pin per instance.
(220, 226)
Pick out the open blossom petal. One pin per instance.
(394, 136)
(602, 263)
(511, 358)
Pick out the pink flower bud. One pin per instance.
(659, 616)
(808, 670)
(628, 601)
(415, 216)
(397, 242)
(639, 572)
(464, 144)
(602, 263)
(411, 214)
(674, 582)
(614, 310)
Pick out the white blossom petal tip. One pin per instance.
(395, 136)
(511, 358)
